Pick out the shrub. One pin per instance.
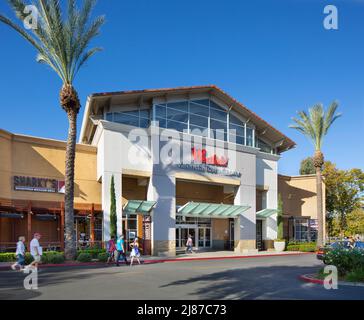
(84, 257)
(53, 257)
(7, 257)
(303, 246)
(102, 257)
(345, 261)
(355, 275)
(94, 253)
(28, 258)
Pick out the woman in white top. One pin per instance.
(20, 254)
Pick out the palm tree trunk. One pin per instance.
(320, 217)
(70, 241)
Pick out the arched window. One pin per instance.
(204, 117)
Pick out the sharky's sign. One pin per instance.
(22, 183)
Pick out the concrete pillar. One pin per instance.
(245, 224)
(106, 201)
(162, 189)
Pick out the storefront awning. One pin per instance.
(202, 209)
(265, 213)
(139, 207)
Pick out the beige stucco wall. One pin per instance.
(44, 158)
(299, 195)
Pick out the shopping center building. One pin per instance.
(185, 161)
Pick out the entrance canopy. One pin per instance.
(139, 207)
(265, 213)
(211, 210)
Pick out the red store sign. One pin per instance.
(200, 156)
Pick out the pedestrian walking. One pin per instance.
(111, 250)
(189, 244)
(135, 253)
(35, 250)
(120, 247)
(20, 254)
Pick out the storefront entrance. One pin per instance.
(201, 236)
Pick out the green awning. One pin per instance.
(265, 213)
(139, 207)
(202, 209)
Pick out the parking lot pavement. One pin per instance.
(249, 278)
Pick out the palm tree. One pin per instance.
(315, 126)
(62, 42)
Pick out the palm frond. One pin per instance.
(316, 123)
(62, 40)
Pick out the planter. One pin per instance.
(279, 246)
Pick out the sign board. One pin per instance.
(212, 164)
(22, 183)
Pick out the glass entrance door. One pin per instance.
(182, 236)
(204, 237)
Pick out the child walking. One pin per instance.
(20, 254)
(134, 251)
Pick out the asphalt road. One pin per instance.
(249, 278)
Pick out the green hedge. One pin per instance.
(94, 253)
(303, 246)
(346, 261)
(102, 257)
(52, 257)
(84, 257)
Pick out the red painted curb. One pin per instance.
(308, 278)
(164, 260)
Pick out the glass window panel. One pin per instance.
(134, 113)
(238, 130)
(249, 136)
(132, 224)
(145, 114)
(160, 111)
(215, 105)
(205, 102)
(214, 124)
(144, 123)
(173, 114)
(181, 106)
(126, 119)
(179, 126)
(198, 120)
(218, 114)
(199, 110)
(236, 139)
(162, 122)
(109, 116)
(199, 131)
(235, 120)
(264, 147)
(218, 134)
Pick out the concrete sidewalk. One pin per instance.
(208, 255)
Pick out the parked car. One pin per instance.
(321, 253)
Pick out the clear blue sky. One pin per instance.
(273, 56)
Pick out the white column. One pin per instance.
(245, 224)
(106, 202)
(162, 188)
